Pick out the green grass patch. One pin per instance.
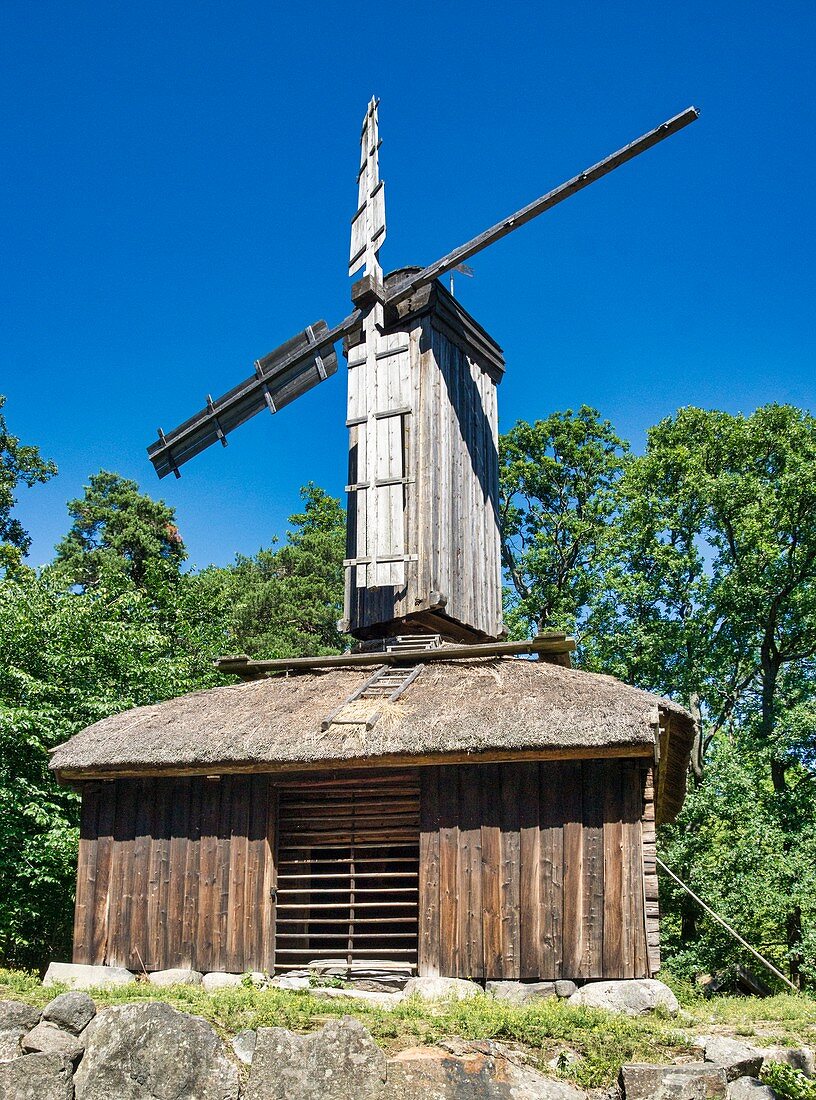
(547, 1029)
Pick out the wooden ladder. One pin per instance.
(388, 682)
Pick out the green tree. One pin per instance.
(709, 594)
(115, 527)
(286, 602)
(752, 864)
(557, 505)
(19, 464)
(67, 659)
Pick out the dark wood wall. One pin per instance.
(533, 870)
(526, 870)
(176, 872)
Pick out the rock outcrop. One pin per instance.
(144, 1051)
(339, 1062)
(16, 1020)
(37, 1077)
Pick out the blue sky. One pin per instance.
(179, 180)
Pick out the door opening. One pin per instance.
(348, 871)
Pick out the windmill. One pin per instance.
(423, 547)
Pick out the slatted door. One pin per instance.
(348, 863)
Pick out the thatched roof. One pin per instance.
(461, 709)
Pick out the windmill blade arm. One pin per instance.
(280, 377)
(406, 288)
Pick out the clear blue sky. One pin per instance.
(179, 179)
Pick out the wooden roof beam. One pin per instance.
(247, 669)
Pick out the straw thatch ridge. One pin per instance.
(456, 707)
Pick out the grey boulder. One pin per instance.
(437, 989)
(521, 993)
(85, 976)
(291, 982)
(243, 1044)
(801, 1058)
(149, 1050)
(16, 1020)
(691, 1081)
(217, 979)
(339, 1062)
(37, 1077)
(634, 997)
(47, 1038)
(749, 1088)
(70, 1011)
(736, 1058)
(476, 1071)
(176, 976)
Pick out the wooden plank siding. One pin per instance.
(527, 869)
(536, 870)
(423, 487)
(176, 872)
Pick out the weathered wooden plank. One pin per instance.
(552, 808)
(280, 377)
(86, 875)
(237, 916)
(254, 905)
(429, 909)
(529, 871)
(510, 857)
(412, 282)
(206, 932)
(177, 886)
(635, 962)
(222, 872)
(594, 777)
(399, 761)
(104, 868)
(551, 644)
(471, 956)
(573, 893)
(122, 872)
(190, 951)
(138, 939)
(613, 940)
(157, 867)
(449, 955)
(491, 839)
(270, 875)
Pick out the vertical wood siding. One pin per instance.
(176, 872)
(438, 454)
(535, 870)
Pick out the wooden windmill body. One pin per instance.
(413, 805)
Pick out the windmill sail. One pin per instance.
(368, 224)
(453, 259)
(281, 376)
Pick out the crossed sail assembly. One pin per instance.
(423, 547)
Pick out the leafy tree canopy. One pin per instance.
(557, 501)
(115, 527)
(19, 464)
(286, 602)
